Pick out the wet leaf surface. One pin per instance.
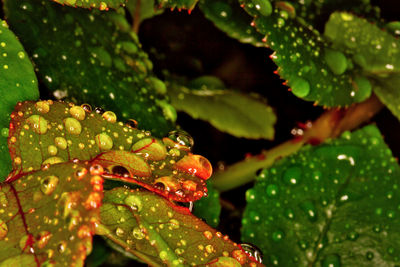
(161, 233)
(50, 132)
(329, 205)
(229, 17)
(374, 50)
(48, 215)
(17, 83)
(303, 57)
(100, 4)
(92, 57)
(229, 111)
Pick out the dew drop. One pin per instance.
(42, 107)
(38, 124)
(132, 124)
(272, 190)
(152, 148)
(138, 233)
(336, 61)
(87, 108)
(182, 138)
(73, 126)
(208, 235)
(77, 112)
(119, 231)
(252, 251)
(277, 235)
(110, 116)
(48, 184)
(104, 141)
(60, 142)
(52, 160)
(52, 150)
(120, 171)
(369, 255)
(133, 202)
(44, 238)
(309, 209)
(300, 87)
(99, 110)
(332, 260)
(363, 89)
(4, 132)
(264, 7)
(62, 246)
(292, 175)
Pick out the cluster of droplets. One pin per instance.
(310, 193)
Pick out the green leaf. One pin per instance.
(161, 233)
(100, 4)
(300, 54)
(48, 216)
(209, 207)
(229, 17)
(228, 111)
(48, 132)
(329, 205)
(375, 51)
(92, 57)
(17, 83)
(186, 4)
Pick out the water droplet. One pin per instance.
(332, 260)
(362, 90)
(208, 235)
(110, 116)
(42, 106)
(120, 171)
(87, 108)
(173, 224)
(3, 229)
(309, 209)
(336, 61)
(52, 160)
(4, 132)
(52, 150)
(60, 142)
(289, 213)
(38, 124)
(292, 175)
(352, 236)
(369, 255)
(264, 7)
(80, 173)
(48, 184)
(99, 110)
(272, 190)
(104, 141)
(132, 124)
(277, 236)
(77, 112)
(44, 238)
(133, 202)
(181, 138)
(222, 9)
(252, 251)
(62, 246)
(152, 148)
(119, 231)
(138, 233)
(300, 87)
(73, 126)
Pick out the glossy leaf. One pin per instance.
(209, 207)
(92, 57)
(228, 111)
(329, 205)
(48, 216)
(53, 132)
(17, 83)
(161, 233)
(375, 51)
(100, 4)
(229, 17)
(301, 56)
(186, 4)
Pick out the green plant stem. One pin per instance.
(329, 125)
(136, 19)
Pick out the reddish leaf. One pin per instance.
(54, 132)
(48, 216)
(161, 233)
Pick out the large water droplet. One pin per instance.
(252, 251)
(48, 184)
(133, 202)
(110, 116)
(104, 141)
(300, 87)
(3, 229)
(292, 175)
(336, 61)
(362, 90)
(138, 233)
(61, 142)
(73, 126)
(181, 138)
(309, 209)
(272, 190)
(264, 7)
(38, 124)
